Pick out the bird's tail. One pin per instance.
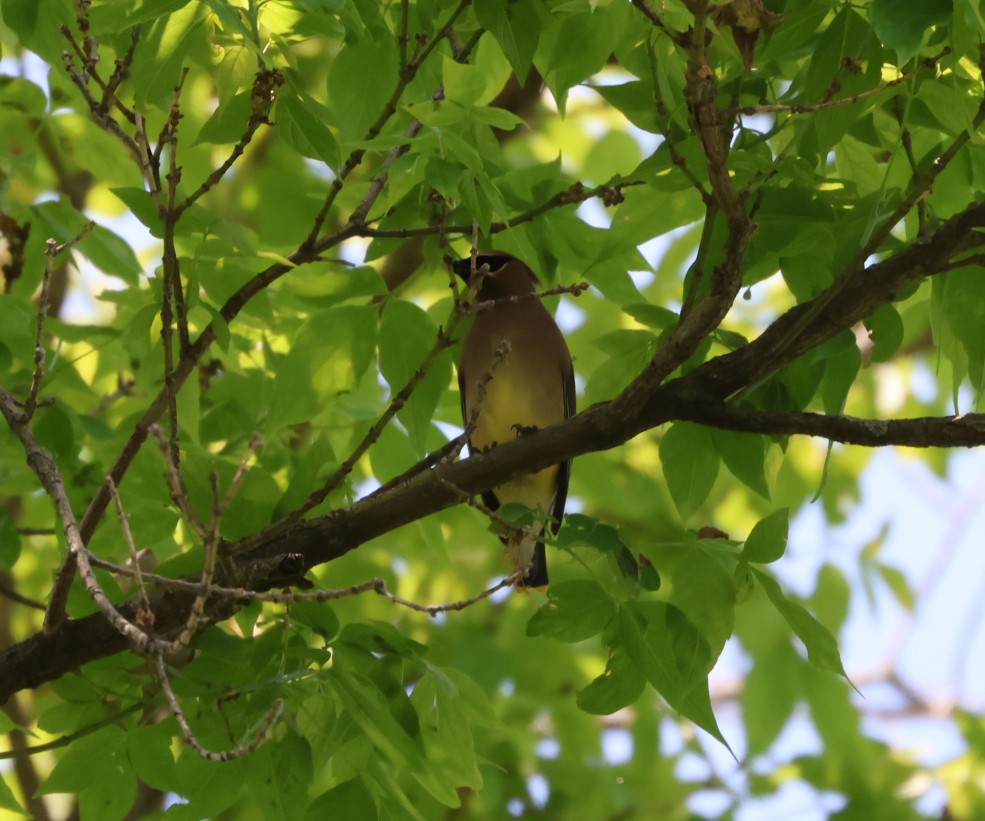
(537, 574)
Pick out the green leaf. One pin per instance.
(620, 685)
(380, 637)
(164, 48)
(690, 465)
(8, 801)
(392, 454)
(616, 154)
(840, 371)
(958, 313)
(768, 538)
(147, 10)
(596, 33)
(822, 649)
(636, 101)
(149, 750)
(575, 611)
(451, 759)
(319, 616)
(464, 84)
(349, 799)
(580, 529)
(696, 578)
(280, 772)
(315, 286)
(21, 16)
(885, 328)
(228, 123)
(674, 658)
(744, 454)
(902, 24)
(898, 584)
(301, 122)
(329, 356)
(516, 27)
(210, 787)
(407, 337)
(141, 205)
(627, 342)
(108, 252)
(22, 95)
(771, 692)
(98, 770)
(365, 705)
(363, 77)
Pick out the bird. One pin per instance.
(515, 370)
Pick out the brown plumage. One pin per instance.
(533, 387)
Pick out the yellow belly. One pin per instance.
(504, 406)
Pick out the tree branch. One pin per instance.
(964, 430)
(280, 554)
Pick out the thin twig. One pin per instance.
(262, 98)
(573, 195)
(196, 616)
(145, 607)
(389, 109)
(173, 301)
(714, 127)
(773, 108)
(96, 110)
(14, 596)
(120, 72)
(124, 387)
(487, 305)
(402, 36)
(310, 249)
(920, 185)
(256, 442)
(176, 485)
(678, 37)
(473, 502)
(52, 251)
(447, 452)
(900, 110)
(376, 585)
(65, 740)
(31, 402)
(273, 713)
(500, 355)
(442, 342)
(44, 466)
(453, 447)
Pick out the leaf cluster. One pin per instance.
(776, 207)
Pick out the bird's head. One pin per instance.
(506, 274)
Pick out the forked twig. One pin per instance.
(52, 250)
(266, 727)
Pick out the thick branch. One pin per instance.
(965, 430)
(281, 554)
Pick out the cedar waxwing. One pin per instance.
(532, 387)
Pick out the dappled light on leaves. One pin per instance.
(246, 568)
